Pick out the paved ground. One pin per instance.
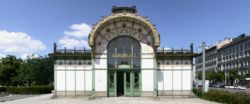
(14, 97)
(47, 99)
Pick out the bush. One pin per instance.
(223, 96)
(30, 90)
(3, 89)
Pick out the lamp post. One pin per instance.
(203, 66)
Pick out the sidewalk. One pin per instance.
(46, 99)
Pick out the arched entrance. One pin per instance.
(124, 63)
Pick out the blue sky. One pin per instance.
(37, 24)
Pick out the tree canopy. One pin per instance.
(26, 72)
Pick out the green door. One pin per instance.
(112, 84)
(136, 84)
(127, 84)
(132, 84)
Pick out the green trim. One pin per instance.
(155, 77)
(93, 78)
(131, 84)
(115, 83)
(71, 56)
(163, 56)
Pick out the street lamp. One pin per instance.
(203, 66)
(203, 46)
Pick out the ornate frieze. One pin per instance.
(123, 24)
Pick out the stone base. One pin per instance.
(175, 93)
(101, 93)
(73, 93)
(143, 93)
(147, 93)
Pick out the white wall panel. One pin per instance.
(146, 48)
(186, 79)
(100, 63)
(60, 79)
(79, 67)
(80, 80)
(177, 80)
(168, 80)
(70, 80)
(147, 80)
(147, 63)
(160, 78)
(88, 80)
(177, 67)
(70, 67)
(187, 67)
(101, 80)
(59, 67)
(88, 67)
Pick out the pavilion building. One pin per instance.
(124, 60)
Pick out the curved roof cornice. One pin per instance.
(132, 16)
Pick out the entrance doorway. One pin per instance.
(124, 83)
(124, 66)
(120, 83)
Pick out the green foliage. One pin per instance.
(3, 89)
(198, 92)
(248, 74)
(233, 74)
(32, 71)
(223, 96)
(212, 75)
(9, 68)
(200, 75)
(30, 90)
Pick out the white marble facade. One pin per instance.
(75, 77)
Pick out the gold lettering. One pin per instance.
(123, 55)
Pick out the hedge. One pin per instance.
(224, 96)
(28, 90)
(3, 89)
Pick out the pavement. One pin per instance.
(48, 99)
(13, 97)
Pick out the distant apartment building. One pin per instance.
(211, 55)
(227, 54)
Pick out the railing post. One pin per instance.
(192, 47)
(55, 47)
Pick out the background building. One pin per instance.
(211, 56)
(227, 55)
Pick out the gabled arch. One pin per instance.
(128, 17)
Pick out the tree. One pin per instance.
(9, 67)
(233, 74)
(28, 72)
(219, 76)
(37, 71)
(212, 76)
(200, 75)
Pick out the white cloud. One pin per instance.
(19, 43)
(73, 43)
(79, 30)
(2, 55)
(74, 37)
(165, 48)
(30, 55)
